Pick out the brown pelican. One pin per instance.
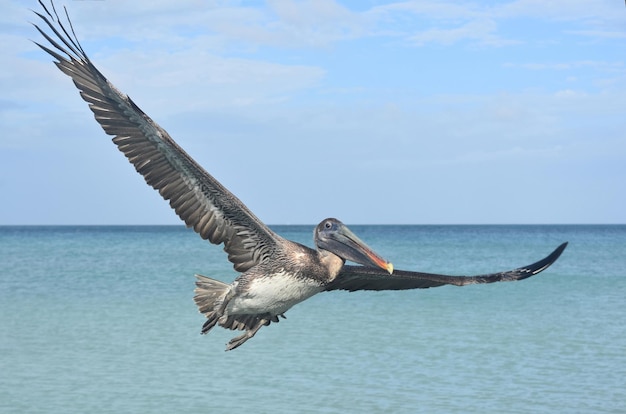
(275, 273)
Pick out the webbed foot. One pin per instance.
(239, 340)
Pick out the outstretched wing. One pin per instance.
(198, 198)
(370, 278)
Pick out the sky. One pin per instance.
(374, 112)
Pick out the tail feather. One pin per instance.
(209, 296)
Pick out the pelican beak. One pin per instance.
(348, 246)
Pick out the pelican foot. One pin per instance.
(239, 340)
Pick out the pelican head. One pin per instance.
(335, 237)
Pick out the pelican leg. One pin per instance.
(239, 340)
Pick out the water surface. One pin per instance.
(101, 319)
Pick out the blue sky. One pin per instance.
(414, 112)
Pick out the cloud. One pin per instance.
(510, 155)
(479, 32)
(607, 34)
(569, 94)
(423, 22)
(439, 10)
(420, 23)
(324, 23)
(316, 22)
(194, 80)
(595, 64)
(559, 10)
(279, 23)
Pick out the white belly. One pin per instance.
(274, 295)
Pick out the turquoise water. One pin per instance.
(101, 320)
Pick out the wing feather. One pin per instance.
(198, 198)
(354, 278)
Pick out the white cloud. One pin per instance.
(322, 23)
(446, 23)
(193, 80)
(560, 10)
(438, 10)
(569, 94)
(317, 22)
(608, 34)
(481, 32)
(601, 65)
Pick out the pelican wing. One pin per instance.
(198, 198)
(354, 278)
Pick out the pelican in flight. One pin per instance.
(276, 273)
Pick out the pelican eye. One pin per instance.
(328, 225)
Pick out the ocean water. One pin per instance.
(101, 320)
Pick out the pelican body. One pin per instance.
(276, 273)
(294, 273)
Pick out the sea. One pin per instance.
(100, 319)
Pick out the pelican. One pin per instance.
(275, 273)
